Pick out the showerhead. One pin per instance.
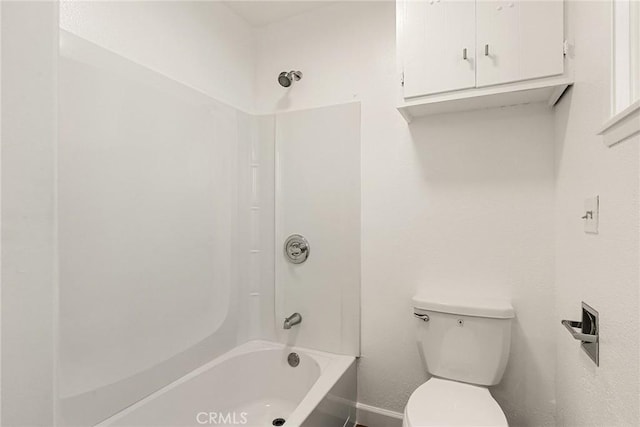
(286, 79)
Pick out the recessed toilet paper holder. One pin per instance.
(589, 332)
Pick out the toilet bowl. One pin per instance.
(464, 343)
(441, 402)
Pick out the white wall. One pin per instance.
(318, 195)
(29, 34)
(451, 202)
(600, 269)
(202, 44)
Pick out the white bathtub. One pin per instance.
(252, 385)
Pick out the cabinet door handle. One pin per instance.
(486, 50)
(464, 53)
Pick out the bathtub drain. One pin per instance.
(293, 359)
(278, 422)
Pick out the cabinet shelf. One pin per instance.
(547, 91)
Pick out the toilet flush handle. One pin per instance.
(423, 317)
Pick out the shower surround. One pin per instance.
(170, 203)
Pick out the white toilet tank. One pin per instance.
(464, 339)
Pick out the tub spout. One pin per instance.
(292, 320)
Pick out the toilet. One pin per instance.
(464, 343)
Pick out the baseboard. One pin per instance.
(371, 416)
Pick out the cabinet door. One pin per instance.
(438, 46)
(519, 40)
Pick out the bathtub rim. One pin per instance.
(332, 368)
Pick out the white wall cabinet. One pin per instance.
(458, 49)
(442, 33)
(518, 40)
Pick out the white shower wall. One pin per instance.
(257, 210)
(157, 176)
(318, 196)
(149, 231)
(154, 279)
(145, 222)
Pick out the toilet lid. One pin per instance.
(448, 403)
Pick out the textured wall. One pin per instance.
(459, 202)
(29, 40)
(201, 44)
(600, 269)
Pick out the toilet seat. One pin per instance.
(441, 402)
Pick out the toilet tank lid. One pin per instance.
(495, 308)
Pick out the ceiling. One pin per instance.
(263, 12)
